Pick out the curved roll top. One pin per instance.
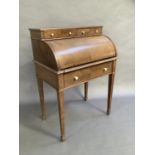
(70, 47)
(77, 51)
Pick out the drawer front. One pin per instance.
(56, 34)
(101, 69)
(76, 77)
(72, 33)
(83, 75)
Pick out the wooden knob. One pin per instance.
(105, 69)
(52, 34)
(76, 78)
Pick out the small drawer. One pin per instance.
(83, 75)
(89, 32)
(51, 34)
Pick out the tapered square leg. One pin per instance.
(110, 92)
(86, 91)
(60, 96)
(41, 95)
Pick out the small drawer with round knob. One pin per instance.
(51, 34)
(101, 69)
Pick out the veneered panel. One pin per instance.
(78, 51)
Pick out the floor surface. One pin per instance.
(89, 131)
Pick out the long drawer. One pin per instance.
(83, 75)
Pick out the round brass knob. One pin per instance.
(105, 69)
(76, 78)
(97, 31)
(52, 34)
(70, 33)
(83, 32)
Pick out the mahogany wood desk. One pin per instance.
(67, 57)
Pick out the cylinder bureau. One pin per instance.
(67, 57)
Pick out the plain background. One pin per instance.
(116, 17)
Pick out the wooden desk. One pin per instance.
(67, 57)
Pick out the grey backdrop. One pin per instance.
(117, 17)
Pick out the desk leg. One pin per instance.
(41, 95)
(110, 92)
(86, 91)
(60, 96)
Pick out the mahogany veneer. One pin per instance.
(66, 57)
